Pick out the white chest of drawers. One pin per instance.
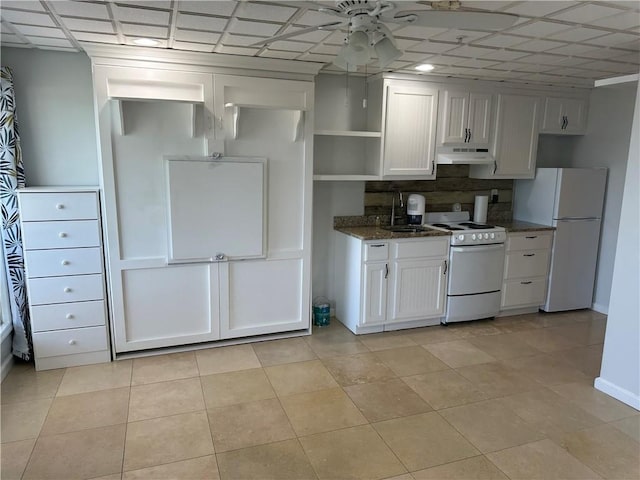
(65, 275)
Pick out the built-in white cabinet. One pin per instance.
(409, 133)
(64, 265)
(465, 118)
(564, 116)
(526, 269)
(515, 138)
(391, 284)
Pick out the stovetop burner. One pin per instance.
(448, 227)
(476, 226)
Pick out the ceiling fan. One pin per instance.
(368, 34)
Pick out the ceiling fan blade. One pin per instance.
(302, 31)
(455, 19)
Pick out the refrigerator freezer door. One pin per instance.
(580, 193)
(573, 265)
(534, 200)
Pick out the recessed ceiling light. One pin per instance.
(425, 67)
(146, 42)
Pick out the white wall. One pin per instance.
(620, 372)
(55, 116)
(606, 144)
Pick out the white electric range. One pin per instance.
(476, 263)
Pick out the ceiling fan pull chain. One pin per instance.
(366, 89)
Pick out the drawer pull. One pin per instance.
(72, 342)
(532, 237)
(59, 206)
(69, 316)
(376, 245)
(62, 234)
(525, 283)
(65, 262)
(529, 255)
(67, 290)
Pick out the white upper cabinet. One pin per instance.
(515, 139)
(564, 116)
(466, 118)
(409, 134)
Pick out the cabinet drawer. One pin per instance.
(77, 288)
(526, 263)
(66, 261)
(67, 315)
(58, 206)
(68, 342)
(376, 251)
(63, 234)
(529, 241)
(523, 293)
(421, 248)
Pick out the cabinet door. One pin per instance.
(575, 111)
(418, 289)
(409, 133)
(552, 119)
(479, 118)
(374, 295)
(455, 113)
(516, 136)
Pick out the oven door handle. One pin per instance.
(479, 248)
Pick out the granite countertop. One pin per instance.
(371, 232)
(520, 226)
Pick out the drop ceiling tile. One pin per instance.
(414, 57)
(238, 51)
(577, 72)
(290, 46)
(577, 34)
(279, 54)
(196, 36)
(97, 26)
(253, 28)
(628, 57)
(527, 67)
(571, 49)
(597, 53)
(503, 55)
(28, 18)
(136, 30)
(211, 8)
(336, 38)
(95, 37)
(313, 17)
(444, 60)
(166, 4)
(585, 13)
(539, 29)
(502, 41)
(404, 44)
(257, 11)
(141, 15)
(455, 35)
(611, 66)
(475, 63)
(10, 38)
(538, 45)
(628, 4)
(315, 57)
(23, 5)
(417, 32)
(40, 31)
(199, 22)
(314, 37)
(81, 9)
(615, 39)
(326, 49)
(432, 47)
(633, 45)
(621, 21)
(493, 6)
(197, 47)
(50, 42)
(574, 61)
(469, 51)
(543, 59)
(538, 8)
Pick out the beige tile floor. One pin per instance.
(510, 398)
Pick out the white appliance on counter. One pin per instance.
(570, 199)
(415, 209)
(476, 262)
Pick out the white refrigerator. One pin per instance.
(570, 199)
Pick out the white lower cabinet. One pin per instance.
(65, 275)
(526, 269)
(391, 284)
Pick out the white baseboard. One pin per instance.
(600, 308)
(6, 367)
(625, 396)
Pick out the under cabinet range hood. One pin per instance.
(464, 156)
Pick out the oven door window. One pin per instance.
(476, 269)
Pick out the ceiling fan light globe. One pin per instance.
(386, 52)
(341, 62)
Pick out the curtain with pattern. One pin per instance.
(12, 178)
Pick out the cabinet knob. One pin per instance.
(65, 262)
(72, 342)
(69, 316)
(59, 206)
(67, 289)
(62, 234)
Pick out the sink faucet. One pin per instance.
(393, 207)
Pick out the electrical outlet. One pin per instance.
(494, 195)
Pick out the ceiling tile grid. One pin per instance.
(552, 42)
